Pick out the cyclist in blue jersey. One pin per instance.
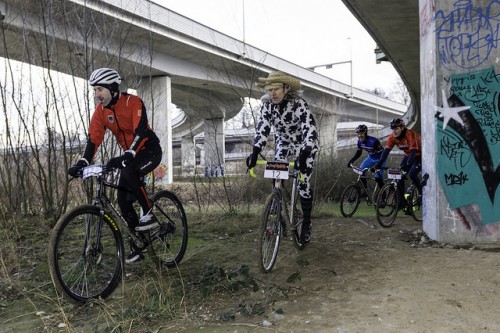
(374, 149)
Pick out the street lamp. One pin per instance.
(329, 66)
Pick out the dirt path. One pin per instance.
(354, 277)
(364, 278)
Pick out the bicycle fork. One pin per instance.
(293, 202)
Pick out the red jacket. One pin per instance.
(410, 140)
(126, 119)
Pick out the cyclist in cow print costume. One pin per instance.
(295, 134)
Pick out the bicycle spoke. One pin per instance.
(349, 200)
(95, 271)
(387, 205)
(270, 232)
(169, 240)
(415, 204)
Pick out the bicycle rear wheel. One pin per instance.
(387, 205)
(85, 254)
(270, 232)
(169, 240)
(349, 201)
(415, 204)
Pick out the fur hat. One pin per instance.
(279, 77)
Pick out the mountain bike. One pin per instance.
(281, 213)
(353, 193)
(86, 250)
(392, 198)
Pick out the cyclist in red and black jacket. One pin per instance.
(125, 116)
(410, 143)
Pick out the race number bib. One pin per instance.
(276, 170)
(394, 174)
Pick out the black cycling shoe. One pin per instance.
(134, 257)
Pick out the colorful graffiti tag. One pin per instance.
(157, 175)
(468, 143)
(467, 36)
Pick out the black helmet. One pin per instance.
(362, 129)
(397, 122)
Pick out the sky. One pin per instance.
(307, 33)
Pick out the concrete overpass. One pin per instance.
(394, 25)
(171, 59)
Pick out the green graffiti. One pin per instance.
(468, 139)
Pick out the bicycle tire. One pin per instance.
(387, 205)
(297, 228)
(270, 232)
(415, 204)
(350, 199)
(81, 269)
(168, 241)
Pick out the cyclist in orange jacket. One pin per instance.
(410, 143)
(125, 116)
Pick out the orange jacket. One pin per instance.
(409, 141)
(126, 119)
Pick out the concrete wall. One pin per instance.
(460, 78)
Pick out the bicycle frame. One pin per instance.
(361, 175)
(393, 198)
(288, 199)
(351, 195)
(105, 204)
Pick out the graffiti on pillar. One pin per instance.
(468, 144)
(157, 175)
(478, 38)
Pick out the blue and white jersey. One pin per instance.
(372, 146)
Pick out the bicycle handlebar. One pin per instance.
(263, 162)
(104, 169)
(252, 173)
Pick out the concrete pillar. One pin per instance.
(188, 155)
(326, 124)
(157, 96)
(214, 146)
(460, 119)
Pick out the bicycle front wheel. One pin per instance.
(169, 240)
(349, 201)
(415, 204)
(270, 232)
(85, 254)
(297, 228)
(387, 205)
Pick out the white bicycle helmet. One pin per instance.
(104, 77)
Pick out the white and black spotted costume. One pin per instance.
(294, 132)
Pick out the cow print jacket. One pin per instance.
(294, 128)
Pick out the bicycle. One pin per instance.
(280, 213)
(86, 250)
(352, 194)
(391, 198)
